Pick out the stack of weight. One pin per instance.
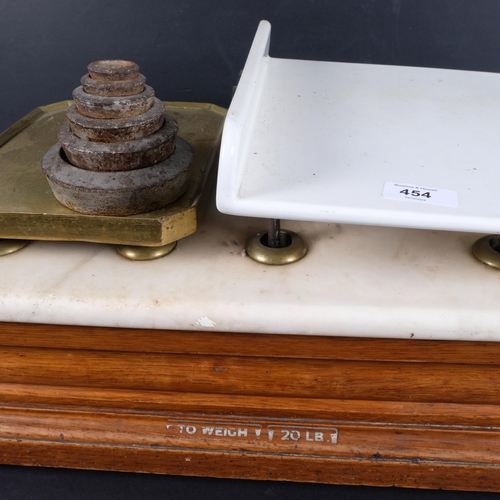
(119, 154)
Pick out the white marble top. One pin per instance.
(355, 281)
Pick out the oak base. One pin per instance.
(405, 413)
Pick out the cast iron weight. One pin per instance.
(119, 154)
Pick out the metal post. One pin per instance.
(273, 233)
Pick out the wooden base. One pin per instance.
(322, 409)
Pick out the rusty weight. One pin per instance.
(95, 106)
(118, 156)
(118, 193)
(117, 129)
(113, 89)
(113, 70)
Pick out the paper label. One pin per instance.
(420, 194)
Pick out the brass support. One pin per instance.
(10, 246)
(145, 253)
(291, 249)
(487, 250)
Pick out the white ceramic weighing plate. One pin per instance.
(362, 144)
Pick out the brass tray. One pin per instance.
(29, 210)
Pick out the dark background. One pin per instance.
(193, 50)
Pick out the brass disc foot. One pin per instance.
(487, 250)
(10, 246)
(292, 248)
(145, 253)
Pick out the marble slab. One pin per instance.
(355, 281)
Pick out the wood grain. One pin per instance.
(248, 344)
(406, 412)
(267, 376)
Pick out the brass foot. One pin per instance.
(145, 253)
(292, 248)
(487, 250)
(10, 246)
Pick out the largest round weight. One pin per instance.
(118, 193)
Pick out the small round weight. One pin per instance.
(113, 89)
(113, 70)
(117, 129)
(95, 106)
